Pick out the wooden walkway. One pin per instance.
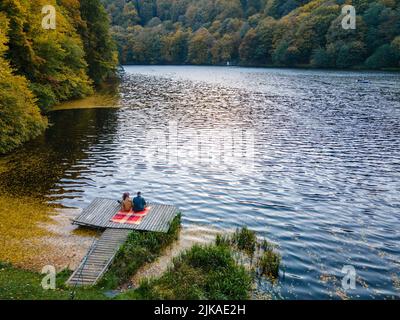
(99, 213)
(99, 257)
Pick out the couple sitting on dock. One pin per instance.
(131, 211)
(138, 203)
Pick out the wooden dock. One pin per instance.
(101, 254)
(99, 213)
(99, 257)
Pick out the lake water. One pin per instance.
(308, 159)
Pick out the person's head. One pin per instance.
(125, 195)
(139, 194)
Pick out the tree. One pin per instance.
(99, 46)
(384, 56)
(176, 47)
(247, 47)
(52, 60)
(228, 9)
(43, 67)
(285, 54)
(223, 49)
(199, 47)
(396, 49)
(20, 118)
(261, 32)
(130, 15)
(351, 54)
(322, 59)
(146, 9)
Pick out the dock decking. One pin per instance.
(99, 213)
(99, 258)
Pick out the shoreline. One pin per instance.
(299, 67)
(49, 239)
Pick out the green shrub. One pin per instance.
(245, 240)
(223, 240)
(268, 264)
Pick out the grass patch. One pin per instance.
(139, 249)
(216, 271)
(203, 272)
(19, 284)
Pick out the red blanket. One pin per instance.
(130, 217)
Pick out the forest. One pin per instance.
(288, 33)
(40, 67)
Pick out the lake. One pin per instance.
(308, 159)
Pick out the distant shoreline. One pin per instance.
(298, 67)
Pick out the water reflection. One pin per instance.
(39, 166)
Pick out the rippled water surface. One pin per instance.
(309, 159)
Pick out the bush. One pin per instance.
(268, 264)
(245, 240)
(45, 95)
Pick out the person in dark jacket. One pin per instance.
(138, 203)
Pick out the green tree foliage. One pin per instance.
(52, 60)
(199, 47)
(43, 67)
(20, 118)
(384, 56)
(99, 47)
(175, 46)
(396, 50)
(279, 8)
(255, 32)
(321, 59)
